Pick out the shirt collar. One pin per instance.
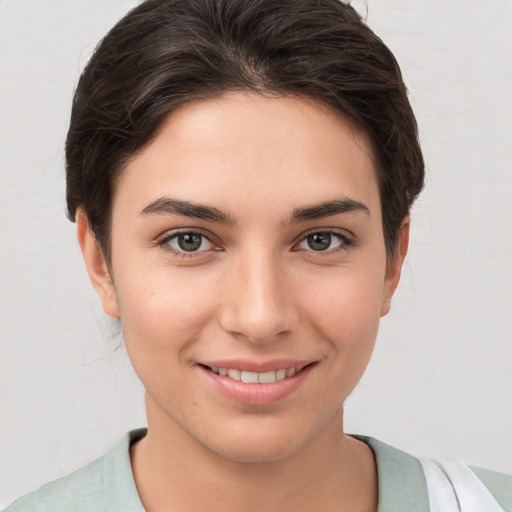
(402, 484)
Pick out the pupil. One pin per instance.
(319, 241)
(189, 242)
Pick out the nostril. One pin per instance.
(256, 305)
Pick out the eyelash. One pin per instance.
(165, 240)
(346, 242)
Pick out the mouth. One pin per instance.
(253, 377)
(252, 384)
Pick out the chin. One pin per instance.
(248, 436)
(257, 440)
(255, 451)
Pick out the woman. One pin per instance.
(241, 175)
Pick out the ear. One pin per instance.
(96, 264)
(394, 266)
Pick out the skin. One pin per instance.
(256, 290)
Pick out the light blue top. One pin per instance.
(107, 484)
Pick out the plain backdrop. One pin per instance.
(440, 381)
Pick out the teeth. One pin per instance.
(254, 377)
(280, 374)
(267, 377)
(234, 374)
(290, 372)
(249, 377)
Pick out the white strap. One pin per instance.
(453, 487)
(441, 494)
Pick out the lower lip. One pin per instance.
(256, 394)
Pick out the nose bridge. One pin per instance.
(257, 303)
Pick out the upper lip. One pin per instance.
(257, 366)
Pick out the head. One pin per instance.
(164, 54)
(242, 174)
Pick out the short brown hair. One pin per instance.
(167, 52)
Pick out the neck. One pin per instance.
(174, 472)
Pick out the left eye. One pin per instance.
(189, 242)
(323, 241)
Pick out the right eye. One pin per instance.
(188, 242)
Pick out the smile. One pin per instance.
(254, 377)
(242, 382)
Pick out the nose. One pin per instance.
(259, 303)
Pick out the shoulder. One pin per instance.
(77, 492)
(103, 484)
(412, 484)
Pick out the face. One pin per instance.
(249, 272)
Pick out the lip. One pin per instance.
(256, 394)
(257, 366)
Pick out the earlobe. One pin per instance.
(96, 264)
(394, 267)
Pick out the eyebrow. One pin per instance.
(328, 209)
(171, 206)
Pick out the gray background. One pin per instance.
(440, 381)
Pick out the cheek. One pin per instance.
(347, 296)
(162, 315)
(163, 308)
(345, 309)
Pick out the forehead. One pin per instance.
(248, 149)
